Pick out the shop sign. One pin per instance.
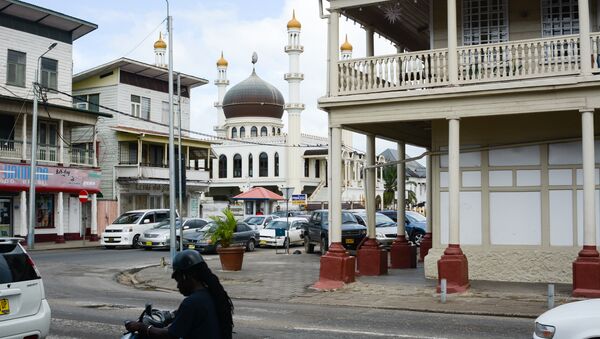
(49, 178)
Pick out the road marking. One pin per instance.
(372, 334)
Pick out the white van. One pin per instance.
(127, 229)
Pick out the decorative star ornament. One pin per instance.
(392, 12)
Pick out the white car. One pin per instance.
(269, 237)
(129, 227)
(24, 310)
(576, 320)
(385, 228)
(257, 222)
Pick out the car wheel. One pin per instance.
(417, 237)
(250, 246)
(308, 247)
(136, 240)
(324, 245)
(109, 247)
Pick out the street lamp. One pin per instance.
(32, 171)
(287, 193)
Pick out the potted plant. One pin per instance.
(231, 256)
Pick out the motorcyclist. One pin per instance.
(207, 310)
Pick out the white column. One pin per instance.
(94, 148)
(23, 209)
(428, 191)
(61, 143)
(24, 132)
(401, 188)
(60, 224)
(584, 37)
(334, 37)
(454, 180)
(371, 174)
(452, 43)
(335, 189)
(370, 43)
(589, 213)
(94, 223)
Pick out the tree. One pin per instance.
(390, 185)
(225, 228)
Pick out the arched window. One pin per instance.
(234, 133)
(254, 131)
(242, 132)
(237, 166)
(250, 166)
(317, 168)
(263, 165)
(264, 131)
(306, 167)
(279, 131)
(273, 131)
(276, 164)
(222, 166)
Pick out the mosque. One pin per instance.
(256, 151)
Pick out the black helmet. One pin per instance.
(186, 259)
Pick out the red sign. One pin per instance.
(15, 177)
(83, 196)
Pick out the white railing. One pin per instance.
(595, 51)
(81, 156)
(393, 72)
(11, 149)
(519, 59)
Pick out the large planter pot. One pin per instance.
(231, 258)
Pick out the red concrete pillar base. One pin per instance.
(453, 267)
(586, 273)
(60, 239)
(371, 259)
(94, 237)
(337, 268)
(402, 254)
(426, 244)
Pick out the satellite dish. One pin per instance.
(254, 58)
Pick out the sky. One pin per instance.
(202, 29)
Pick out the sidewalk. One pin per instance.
(288, 278)
(71, 244)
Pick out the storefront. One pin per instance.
(59, 215)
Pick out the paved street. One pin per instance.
(88, 302)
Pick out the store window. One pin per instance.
(485, 21)
(559, 17)
(44, 207)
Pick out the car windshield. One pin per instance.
(166, 225)
(210, 227)
(278, 225)
(254, 220)
(128, 218)
(381, 219)
(348, 218)
(415, 217)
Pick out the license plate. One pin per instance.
(192, 247)
(110, 239)
(148, 243)
(4, 307)
(349, 241)
(263, 242)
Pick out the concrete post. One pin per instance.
(585, 44)
(60, 219)
(452, 43)
(94, 223)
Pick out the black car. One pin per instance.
(415, 224)
(201, 241)
(317, 231)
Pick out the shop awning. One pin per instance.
(258, 193)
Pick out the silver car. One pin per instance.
(24, 310)
(160, 235)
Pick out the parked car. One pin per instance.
(200, 239)
(293, 213)
(160, 235)
(24, 310)
(317, 231)
(575, 320)
(415, 224)
(127, 229)
(258, 222)
(295, 227)
(385, 228)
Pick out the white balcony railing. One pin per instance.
(152, 172)
(13, 150)
(513, 60)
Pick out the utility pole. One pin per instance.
(181, 166)
(172, 214)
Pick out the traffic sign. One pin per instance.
(299, 199)
(83, 196)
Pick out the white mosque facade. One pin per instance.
(256, 150)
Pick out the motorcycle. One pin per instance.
(151, 316)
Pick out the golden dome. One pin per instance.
(160, 43)
(294, 23)
(222, 62)
(346, 46)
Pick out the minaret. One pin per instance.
(160, 48)
(221, 82)
(293, 106)
(346, 54)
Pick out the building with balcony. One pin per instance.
(33, 36)
(133, 144)
(503, 95)
(256, 152)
